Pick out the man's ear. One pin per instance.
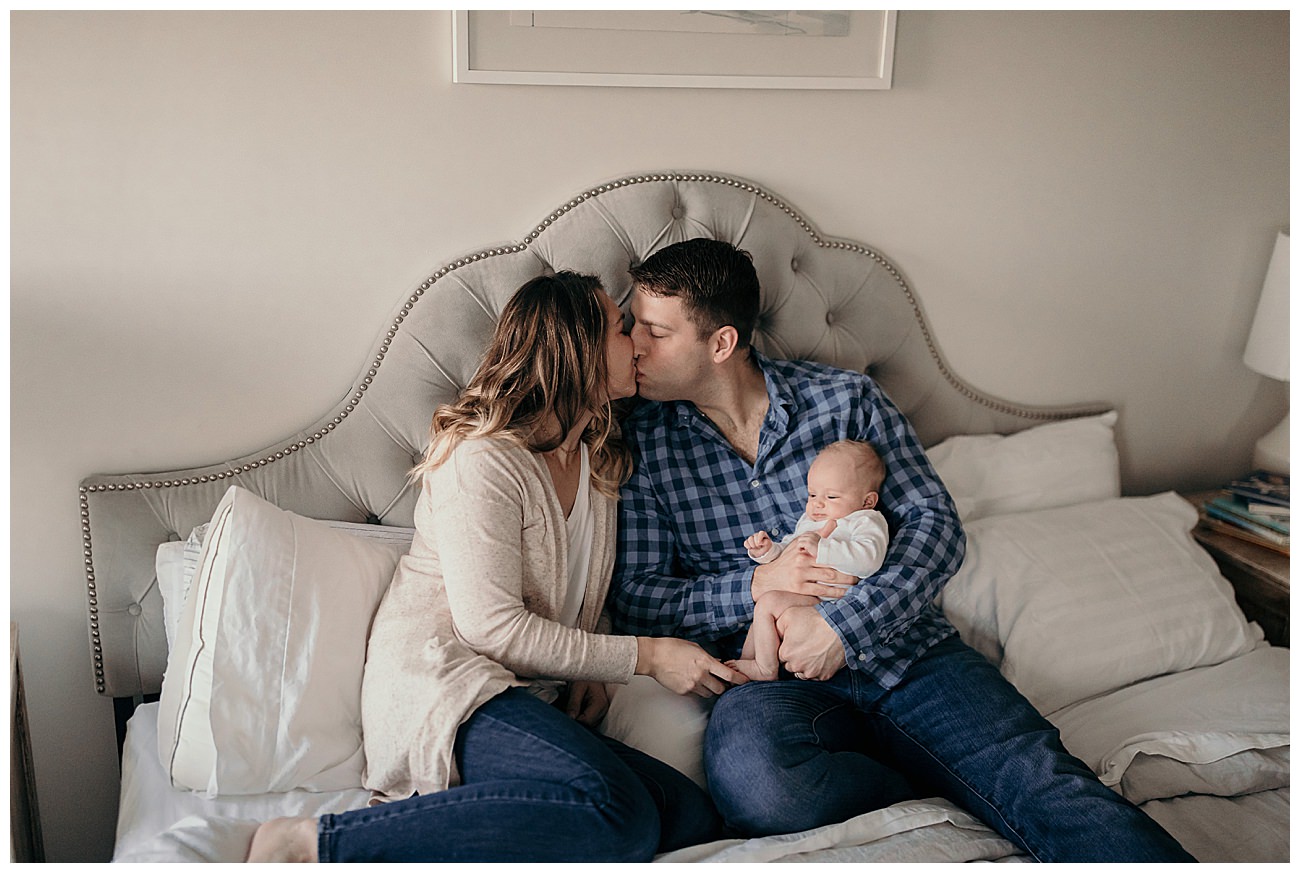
(871, 500)
(723, 343)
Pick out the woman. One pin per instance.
(504, 589)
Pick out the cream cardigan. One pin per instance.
(473, 606)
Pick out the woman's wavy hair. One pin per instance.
(547, 355)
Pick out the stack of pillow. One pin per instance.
(1105, 613)
(1083, 599)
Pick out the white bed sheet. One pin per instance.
(150, 806)
(157, 822)
(1250, 829)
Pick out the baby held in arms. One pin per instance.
(840, 528)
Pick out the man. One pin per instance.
(885, 703)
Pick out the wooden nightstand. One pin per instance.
(25, 842)
(1260, 576)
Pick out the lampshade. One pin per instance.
(1268, 351)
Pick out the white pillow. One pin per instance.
(648, 717)
(1057, 464)
(169, 566)
(263, 687)
(1081, 600)
(1223, 730)
(176, 562)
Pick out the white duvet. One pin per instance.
(1206, 752)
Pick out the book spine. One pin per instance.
(1217, 512)
(1272, 510)
(1239, 510)
(1242, 534)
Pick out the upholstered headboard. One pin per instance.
(823, 299)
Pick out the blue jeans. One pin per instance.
(536, 786)
(788, 755)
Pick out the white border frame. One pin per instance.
(463, 73)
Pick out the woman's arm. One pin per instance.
(476, 521)
(478, 526)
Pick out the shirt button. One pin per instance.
(753, 484)
(861, 656)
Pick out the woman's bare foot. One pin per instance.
(750, 668)
(282, 840)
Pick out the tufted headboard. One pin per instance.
(823, 299)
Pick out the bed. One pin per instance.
(1099, 607)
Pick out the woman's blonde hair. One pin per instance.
(546, 358)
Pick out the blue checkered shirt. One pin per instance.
(682, 569)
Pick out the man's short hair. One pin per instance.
(715, 280)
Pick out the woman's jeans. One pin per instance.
(535, 786)
(788, 755)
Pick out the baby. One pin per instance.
(840, 528)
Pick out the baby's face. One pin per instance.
(836, 489)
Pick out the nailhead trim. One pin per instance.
(429, 282)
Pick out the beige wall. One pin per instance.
(213, 214)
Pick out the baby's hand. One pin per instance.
(828, 529)
(759, 544)
(807, 543)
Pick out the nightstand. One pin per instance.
(1260, 576)
(24, 817)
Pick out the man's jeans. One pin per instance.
(788, 755)
(536, 786)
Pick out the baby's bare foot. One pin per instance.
(282, 840)
(752, 669)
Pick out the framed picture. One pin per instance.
(811, 49)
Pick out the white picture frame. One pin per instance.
(499, 47)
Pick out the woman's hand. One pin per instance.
(683, 667)
(588, 702)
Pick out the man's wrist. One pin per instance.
(826, 609)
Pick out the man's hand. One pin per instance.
(809, 647)
(808, 543)
(588, 702)
(799, 573)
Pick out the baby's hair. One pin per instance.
(865, 460)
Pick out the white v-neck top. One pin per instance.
(582, 529)
(580, 526)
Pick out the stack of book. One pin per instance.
(1256, 508)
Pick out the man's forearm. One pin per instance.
(704, 608)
